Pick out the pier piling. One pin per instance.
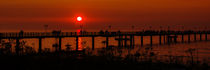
(131, 41)
(133, 38)
(93, 42)
(40, 45)
(125, 42)
(200, 36)
(189, 38)
(120, 41)
(77, 44)
(195, 38)
(182, 38)
(107, 41)
(168, 39)
(17, 48)
(151, 40)
(142, 40)
(175, 38)
(206, 36)
(164, 38)
(60, 44)
(160, 39)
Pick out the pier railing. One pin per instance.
(168, 37)
(86, 34)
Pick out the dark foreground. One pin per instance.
(81, 62)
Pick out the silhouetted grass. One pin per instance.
(62, 61)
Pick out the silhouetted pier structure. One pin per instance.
(168, 37)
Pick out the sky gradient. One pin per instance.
(32, 15)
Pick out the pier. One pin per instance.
(122, 37)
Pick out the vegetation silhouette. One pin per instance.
(111, 57)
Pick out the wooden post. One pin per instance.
(206, 36)
(164, 38)
(125, 42)
(107, 42)
(77, 44)
(120, 41)
(142, 40)
(0, 40)
(182, 38)
(93, 42)
(175, 38)
(195, 38)
(168, 39)
(151, 40)
(200, 36)
(60, 44)
(131, 41)
(17, 48)
(160, 39)
(188, 37)
(40, 45)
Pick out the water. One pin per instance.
(202, 49)
(86, 42)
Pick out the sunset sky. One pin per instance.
(32, 15)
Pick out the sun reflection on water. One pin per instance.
(80, 47)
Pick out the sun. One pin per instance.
(79, 18)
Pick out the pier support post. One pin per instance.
(151, 40)
(60, 44)
(0, 40)
(131, 41)
(206, 36)
(164, 39)
(142, 40)
(120, 41)
(40, 45)
(160, 39)
(17, 47)
(182, 38)
(175, 38)
(195, 38)
(125, 42)
(107, 42)
(93, 43)
(77, 43)
(200, 36)
(168, 39)
(188, 38)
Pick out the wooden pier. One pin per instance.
(121, 37)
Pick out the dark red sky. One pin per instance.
(98, 14)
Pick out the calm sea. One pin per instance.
(202, 48)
